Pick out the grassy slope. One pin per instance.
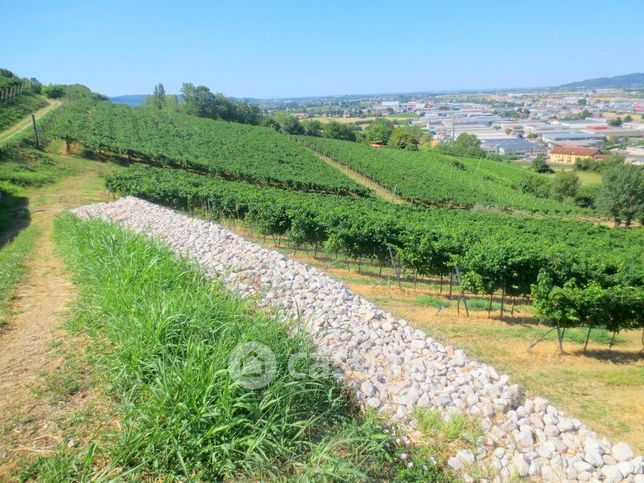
(163, 337)
(231, 150)
(435, 178)
(17, 108)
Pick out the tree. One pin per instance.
(403, 138)
(312, 127)
(426, 140)
(564, 185)
(582, 101)
(615, 122)
(628, 118)
(467, 141)
(539, 164)
(54, 91)
(158, 97)
(199, 101)
(622, 193)
(336, 130)
(380, 131)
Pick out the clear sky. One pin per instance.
(303, 47)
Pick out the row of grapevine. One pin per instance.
(432, 178)
(238, 151)
(494, 252)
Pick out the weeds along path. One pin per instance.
(379, 190)
(26, 122)
(28, 355)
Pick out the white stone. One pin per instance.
(520, 465)
(612, 473)
(622, 452)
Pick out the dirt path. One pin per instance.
(28, 419)
(26, 122)
(379, 190)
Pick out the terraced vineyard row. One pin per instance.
(495, 252)
(255, 154)
(432, 178)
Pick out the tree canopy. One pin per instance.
(199, 101)
(622, 193)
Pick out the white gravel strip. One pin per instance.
(387, 363)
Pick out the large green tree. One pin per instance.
(158, 97)
(380, 131)
(199, 101)
(622, 193)
(564, 185)
(338, 130)
(403, 138)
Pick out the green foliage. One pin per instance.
(284, 123)
(380, 131)
(403, 138)
(465, 145)
(20, 106)
(493, 250)
(164, 337)
(227, 149)
(622, 193)
(615, 122)
(54, 91)
(590, 305)
(564, 185)
(598, 165)
(158, 99)
(430, 178)
(535, 185)
(199, 101)
(539, 165)
(337, 130)
(586, 196)
(311, 127)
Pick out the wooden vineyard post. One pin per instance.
(461, 295)
(33, 120)
(394, 264)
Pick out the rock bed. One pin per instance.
(387, 363)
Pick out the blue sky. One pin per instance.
(296, 48)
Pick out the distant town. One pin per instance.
(563, 125)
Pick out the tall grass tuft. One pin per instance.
(163, 336)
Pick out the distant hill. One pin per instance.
(618, 82)
(131, 100)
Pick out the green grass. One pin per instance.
(18, 107)
(162, 337)
(445, 436)
(432, 301)
(13, 257)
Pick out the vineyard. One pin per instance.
(577, 272)
(16, 99)
(431, 178)
(230, 150)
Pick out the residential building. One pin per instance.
(570, 154)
